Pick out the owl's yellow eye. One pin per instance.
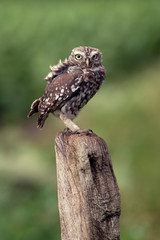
(78, 56)
(95, 57)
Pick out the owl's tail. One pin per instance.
(34, 107)
(38, 107)
(41, 119)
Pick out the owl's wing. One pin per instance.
(63, 87)
(57, 92)
(56, 70)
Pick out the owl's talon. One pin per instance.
(90, 130)
(66, 129)
(86, 131)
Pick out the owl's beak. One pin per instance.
(87, 62)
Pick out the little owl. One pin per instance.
(70, 85)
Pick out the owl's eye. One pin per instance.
(78, 57)
(95, 57)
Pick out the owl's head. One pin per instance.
(85, 57)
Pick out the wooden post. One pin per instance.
(88, 194)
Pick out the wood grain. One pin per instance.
(88, 194)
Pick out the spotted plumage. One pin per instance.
(70, 85)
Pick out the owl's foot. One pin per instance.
(69, 123)
(86, 131)
(79, 131)
(72, 128)
(67, 130)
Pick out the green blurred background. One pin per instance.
(125, 112)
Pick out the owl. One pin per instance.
(70, 85)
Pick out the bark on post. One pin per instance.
(88, 194)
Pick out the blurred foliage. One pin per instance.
(27, 212)
(35, 34)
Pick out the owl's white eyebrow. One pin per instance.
(93, 53)
(81, 53)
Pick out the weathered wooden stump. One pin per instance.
(88, 194)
